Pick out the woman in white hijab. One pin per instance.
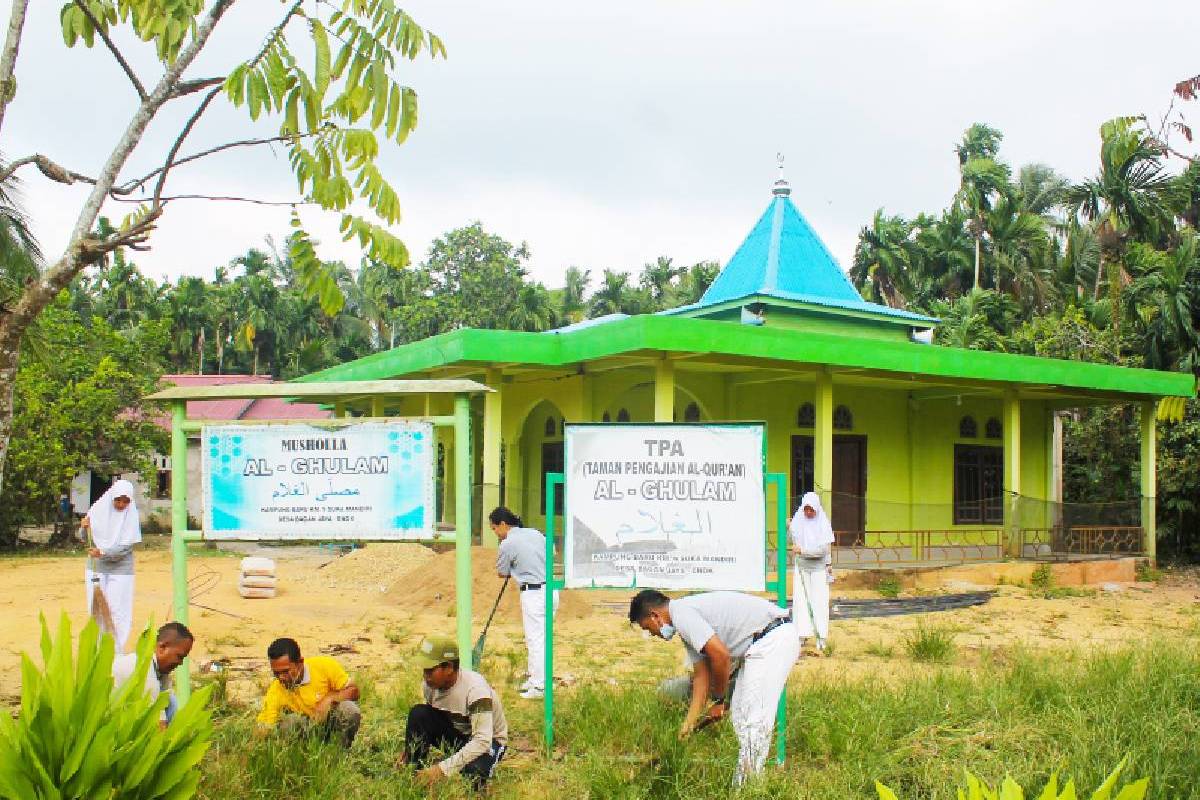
(115, 529)
(812, 539)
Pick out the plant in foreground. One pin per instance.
(931, 644)
(1011, 790)
(75, 738)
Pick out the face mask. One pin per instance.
(667, 631)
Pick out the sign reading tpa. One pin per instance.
(371, 480)
(665, 506)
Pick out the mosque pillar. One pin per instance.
(1149, 481)
(492, 442)
(823, 437)
(1011, 420)
(664, 390)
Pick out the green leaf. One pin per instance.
(884, 792)
(1135, 790)
(1106, 788)
(321, 73)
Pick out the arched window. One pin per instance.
(623, 415)
(843, 420)
(691, 413)
(606, 417)
(993, 429)
(551, 428)
(967, 429)
(806, 417)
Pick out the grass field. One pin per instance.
(1014, 712)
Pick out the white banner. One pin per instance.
(665, 506)
(371, 480)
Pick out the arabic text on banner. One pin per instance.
(665, 506)
(371, 480)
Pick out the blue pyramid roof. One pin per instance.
(783, 258)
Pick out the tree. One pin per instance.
(330, 118)
(573, 303)
(1131, 195)
(81, 410)
(883, 260)
(616, 296)
(982, 180)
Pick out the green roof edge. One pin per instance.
(682, 334)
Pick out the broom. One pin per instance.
(477, 651)
(100, 610)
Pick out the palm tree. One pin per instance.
(615, 296)
(982, 180)
(533, 310)
(1131, 195)
(1020, 251)
(942, 258)
(574, 294)
(882, 268)
(658, 279)
(1160, 303)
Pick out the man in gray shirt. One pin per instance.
(522, 557)
(718, 628)
(171, 647)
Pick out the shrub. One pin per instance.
(888, 586)
(75, 737)
(929, 644)
(1011, 790)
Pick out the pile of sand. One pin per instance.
(430, 588)
(372, 568)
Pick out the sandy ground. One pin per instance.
(371, 607)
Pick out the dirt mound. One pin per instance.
(430, 588)
(372, 568)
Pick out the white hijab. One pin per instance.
(112, 528)
(811, 535)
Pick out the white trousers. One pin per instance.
(533, 618)
(756, 696)
(816, 584)
(118, 591)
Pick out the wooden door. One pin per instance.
(848, 511)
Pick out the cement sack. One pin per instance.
(251, 592)
(256, 582)
(256, 565)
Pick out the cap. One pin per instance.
(436, 649)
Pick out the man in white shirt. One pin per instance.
(171, 647)
(717, 629)
(522, 557)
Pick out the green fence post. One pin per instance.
(462, 524)
(553, 481)
(781, 565)
(179, 526)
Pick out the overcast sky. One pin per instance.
(606, 134)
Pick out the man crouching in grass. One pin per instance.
(462, 715)
(317, 691)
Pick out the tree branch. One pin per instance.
(208, 98)
(232, 199)
(191, 87)
(129, 186)
(8, 61)
(42, 291)
(112, 48)
(47, 167)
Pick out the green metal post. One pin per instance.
(462, 523)
(179, 526)
(781, 565)
(553, 481)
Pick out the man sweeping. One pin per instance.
(171, 646)
(522, 557)
(113, 528)
(718, 628)
(462, 715)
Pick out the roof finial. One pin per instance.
(782, 189)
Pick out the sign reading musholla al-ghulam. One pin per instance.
(673, 506)
(370, 480)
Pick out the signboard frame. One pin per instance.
(777, 584)
(569, 520)
(421, 454)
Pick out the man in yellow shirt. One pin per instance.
(317, 691)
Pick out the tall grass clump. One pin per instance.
(1026, 716)
(929, 644)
